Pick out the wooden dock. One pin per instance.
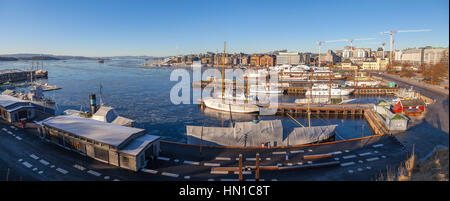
(375, 123)
(327, 109)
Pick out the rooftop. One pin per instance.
(106, 133)
(6, 100)
(138, 144)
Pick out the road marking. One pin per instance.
(375, 152)
(169, 174)
(289, 164)
(219, 172)
(297, 151)
(360, 161)
(211, 164)
(268, 159)
(223, 158)
(347, 164)
(250, 179)
(309, 162)
(350, 171)
(191, 162)
(40, 172)
(372, 159)
(92, 172)
(279, 152)
(383, 156)
(336, 152)
(149, 171)
(274, 180)
(243, 172)
(251, 159)
(34, 169)
(163, 158)
(176, 160)
(52, 166)
(210, 179)
(12, 127)
(365, 154)
(62, 170)
(360, 169)
(187, 177)
(9, 132)
(19, 138)
(44, 162)
(116, 180)
(229, 179)
(349, 156)
(346, 150)
(336, 159)
(310, 150)
(79, 167)
(377, 145)
(4, 129)
(368, 167)
(20, 160)
(28, 165)
(34, 156)
(300, 163)
(106, 177)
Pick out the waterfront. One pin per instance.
(143, 94)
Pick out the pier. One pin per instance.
(336, 109)
(14, 75)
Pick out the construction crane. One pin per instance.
(391, 54)
(328, 41)
(351, 41)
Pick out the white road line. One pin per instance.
(299, 163)
(28, 165)
(289, 164)
(310, 150)
(359, 169)
(365, 154)
(52, 166)
(243, 172)
(346, 150)
(279, 152)
(223, 158)
(169, 174)
(383, 156)
(44, 162)
(19, 138)
(336, 159)
(4, 129)
(368, 167)
(106, 177)
(79, 167)
(92, 172)
(116, 180)
(347, 164)
(20, 160)
(210, 179)
(34, 169)
(219, 172)
(62, 170)
(309, 162)
(350, 171)
(34, 156)
(191, 162)
(349, 156)
(187, 177)
(149, 171)
(211, 164)
(274, 180)
(229, 179)
(375, 152)
(12, 127)
(40, 172)
(268, 159)
(377, 145)
(372, 159)
(176, 160)
(297, 151)
(360, 161)
(251, 159)
(336, 152)
(163, 158)
(9, 132)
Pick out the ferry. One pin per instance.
(323, 90)
(362, 83)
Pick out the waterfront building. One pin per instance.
(255, 60)
(13, 109)
(267, 60)
(378, 65)
(122, 146)
(409, 107)
(348, 65)
(435, 55)
(290, 58)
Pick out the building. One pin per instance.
(122, 146)
(255, 60)
(435, 55)
(13, 109)
(290, 58)
(348, 65)
(109, 115)
(378, 65)
(392, 121)
(410, 107)
(267, 60)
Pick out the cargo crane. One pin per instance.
(391, 54)
(351, 41)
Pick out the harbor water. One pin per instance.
(143, 94)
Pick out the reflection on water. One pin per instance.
(143, 94)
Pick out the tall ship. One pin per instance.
(324, 90)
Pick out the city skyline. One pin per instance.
(110, 28)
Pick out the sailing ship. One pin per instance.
(324, 90)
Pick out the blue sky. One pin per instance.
(160, 28)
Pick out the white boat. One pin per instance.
(256, 74)
(323, 90)
(325, 100)
(230, 105)
(362, 83)
(240, 96)
(266, 89)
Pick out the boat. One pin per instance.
(323, 90)
(36, 97)
(266, 89)
(258, 132)
(101, 61)
(325, 100)
(256, 74)
(362, 83)
(230, 105)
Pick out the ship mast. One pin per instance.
(223, 67)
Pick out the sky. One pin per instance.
(170, 27)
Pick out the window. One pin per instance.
(125, 161)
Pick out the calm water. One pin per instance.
(143, 94)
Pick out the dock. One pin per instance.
(328, 109)
(14, 75)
